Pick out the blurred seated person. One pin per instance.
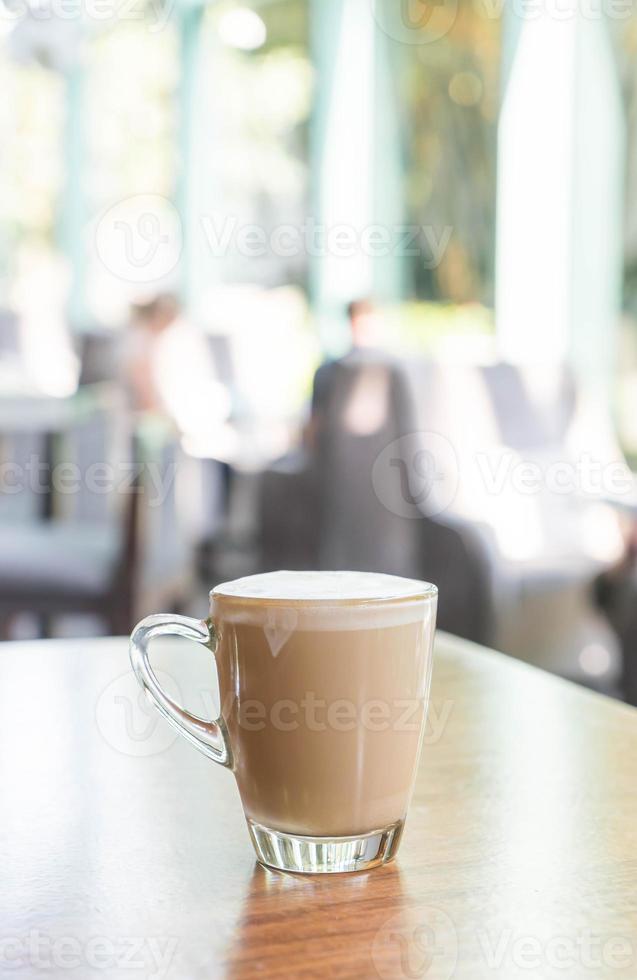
(169, 368)
(364, 320)
(142, 351)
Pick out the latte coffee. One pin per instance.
(323, 681)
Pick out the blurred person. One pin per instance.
(365, 321)
(170, 371)
(149, 321)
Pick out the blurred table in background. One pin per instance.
(518, 856)
(45, 420)
(38, 413)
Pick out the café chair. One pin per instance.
(532, 598)
(100, 356)
(59, 567)
(9, 334)
(324, 511)
(116, 555)
(79, 554)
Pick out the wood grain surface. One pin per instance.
(123, 851)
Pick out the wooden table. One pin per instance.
(121, 846)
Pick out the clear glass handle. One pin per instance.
(210, 737)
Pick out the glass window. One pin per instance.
(131, 124)
(448, 93)
(31, 164)
(259, 86)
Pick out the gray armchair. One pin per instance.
(81, 556)
(114, 555)
(324, 510)
(334, 509)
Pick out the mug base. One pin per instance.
(324, 855)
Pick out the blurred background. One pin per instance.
(322, 284)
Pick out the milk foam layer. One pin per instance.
(291, 600)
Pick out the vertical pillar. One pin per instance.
(598, 189)
(559, 226)
(391, 272)
(72, 219)
(356, 165)
(191, 165)
(342, 40)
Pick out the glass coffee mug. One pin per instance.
(323, 682)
